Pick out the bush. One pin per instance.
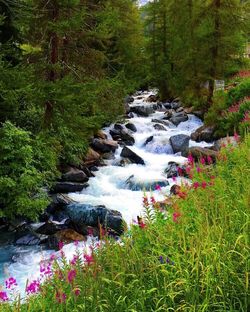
(239, 92)
(26, 165)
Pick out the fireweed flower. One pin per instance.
(60, 297)
(33, 287)
(74, 260)
(45, 269)
(204, 184)
(198, 169)
(77, 292)
(3, 296)
(71, 276)
(60, 245)
(157, 187)
(145, 201)
(203, 161)
(174, 179)
(209, 160)
(196, 185)
(190, 159)
(88, 259)
(176, 216)
(180, 171)
(10, 283)
(152, 199)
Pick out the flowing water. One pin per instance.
(109, 187)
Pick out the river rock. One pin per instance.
(199, 152)
(68, 187)
(132, 184)
(152, 98)
(204, 133)
(104, 146)
(131, 127)
(66, 236)
(74, 175)
(92, 158)
(198, 113)
(159, 127)
(149, 139)
(175, 105)
(124, 162)
(173, 170)
(129, 99)
(177, 118)
(83, 214)
(143, 111)
(31, 240)
(122, 135)
(118, 126)
(50, 228)
(101, 135)
(179, 142)
(127, 153)
(168, 114)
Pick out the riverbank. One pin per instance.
(189, 255)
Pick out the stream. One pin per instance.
(109, 186)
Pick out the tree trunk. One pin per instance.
(52, 61)
(215, 50)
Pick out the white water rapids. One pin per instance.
(107, 187)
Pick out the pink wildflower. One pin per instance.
(60, 297)
(174, 179)
(204, 184)
(74, 260)
(45, 269)
(90, 231)
(88, 258)
(71, 276)
(10, 283)
(3, 296)
(77, 292)
(198, 169)
(152, 199)
(60, 245)
(176, 216)
(196, 185)
(203, 161)
(236, 137)
(190, 159)
(209, 160)
(145, 201)
(33, 287)
(157, 187)
(180, 171)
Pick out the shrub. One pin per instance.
(26, 165)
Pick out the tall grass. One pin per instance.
(193, 257)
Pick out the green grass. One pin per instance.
(207, 251)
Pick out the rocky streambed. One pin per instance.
(139, 154)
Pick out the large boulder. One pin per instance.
(31, 240)
(122, 136)
(101, 135)
(66, 236)
(92, 158)
(143, 111)
(159, 127)
(50, 228)
(74, 175)
(81, 215)
(175, 105)
(177, 118)
(104, 146)
(152, 98)
(131, 127)
(200, 152)
(68, 187)
(179, 142)
(127, 153)
(204, 133)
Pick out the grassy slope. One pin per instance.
(205, 254)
